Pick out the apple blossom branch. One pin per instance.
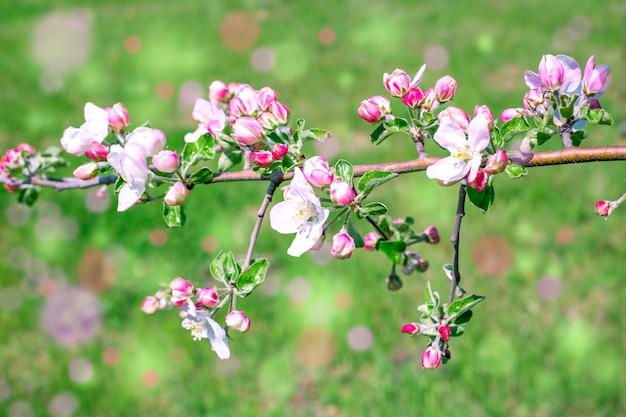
(559, 157)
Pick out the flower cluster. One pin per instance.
(15, 161)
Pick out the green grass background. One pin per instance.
(522, 355)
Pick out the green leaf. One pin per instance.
(511, 128)
(394, 249)
(458, 307)
(397, 125)
(200, 150)
(344, 170)
(371, 209)
(578, 136)
(358, 239)
(514, 170)
(600, 117)
(224, 268)
(482, 199)
(173, 216)
(119, 183)
(456, 330)
(317, 134)
(28, 196)
(228, 159)
(201, 176)
(373, 179)
(464, 318)
(252, 277)
(379, 134)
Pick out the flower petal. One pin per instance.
(450, 136)
(448, 170)
(532, 80)
(219, 340)
(76, 141)
(306, 237)
(129, 195)
(281, 217)
(478, 134)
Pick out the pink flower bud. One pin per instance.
(594, 79)
(456, 116)
(12, 159)
(370, 240)
(430, 103)
(182, 290)
(267, 120)
(483, 111)
(247, 130)
(397, 83)
(150, 304)
(265, 97)
(343, 245)
(280, 112)
(431, 234)
(317, 172)
(413, 98)
(414, 262)
(341, 193)
(551, 72)
(262, 158)
(411, 328)
(444, 332)
(151, 140)
(594, 104)
(218, 91)
(279, 150)
(97, 152)
(445, 88)
(374, 109)
(176, 195)
(244, 103)
(511, 113)
(533, 98)
(118, 117)
(604, 208)
(207, 297)
(166, 161)
(26, 149)
(479, 181)
(238, 321)
(496, 162)
(431, 358)
(86, 171)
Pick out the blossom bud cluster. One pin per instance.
(14, 161)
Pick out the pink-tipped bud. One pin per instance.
(238, 321)
(86, 171)
(207, 297)
(533, 98)
(12, 159)
(370, 240)
(176, 195)
(166, 161)
(595, 77)
(445, 88)
(281, 112)
(456, 116)
(26, 149)
(496, 162)
(444, 332)
(431, 234)
(182, 290)
(247, 130)
(218, 91)
(479, 182)
(551, 72)
(397, 83)
(413, 98)
(374, 109)
(151, 140)
(604, 208)
(431, 358)
(265, 97)
(97, 152)
(485, 112)
(262, 158)
(317, 171)
(511, 113)
(411, 328)
(343, 245)
(118, 117)
(430, 102)
(279, 150)
(341, 193)
(150, 304)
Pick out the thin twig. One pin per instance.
(455, 239)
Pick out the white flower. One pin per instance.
(465, 154)
(301, 213)
(202, 326)
(95, 129)
(130, 164)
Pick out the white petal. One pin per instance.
(418, 76)
(478, 134)
(217, 337)
(448, 170)
(281, 217)
(450, 136)
(96, 122)
(474, 164)
(306, 237)
(76, 141)
(195, 135)
(128, 196)
(532, 80)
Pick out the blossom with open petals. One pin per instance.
(130, 163)
(77, 141)
(202, 326)
(301, 213)
(465, 153)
